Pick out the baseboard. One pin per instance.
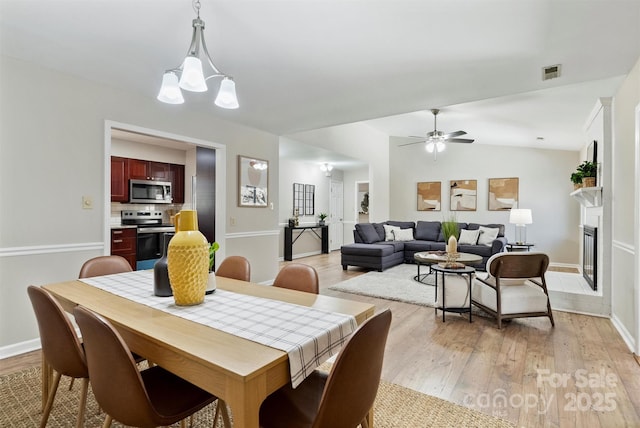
(624, 333)
(19, 348)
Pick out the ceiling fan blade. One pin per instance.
(409, 144)
(415, 136)
(459, 140)
(453, 134)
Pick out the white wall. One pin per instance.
(625, 279)
(52, 153)
(544, 187)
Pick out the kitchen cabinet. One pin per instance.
(148, 170)
(176, 177)
(119, 179)
(123, 243)
(123, 169)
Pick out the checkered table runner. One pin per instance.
(310, 336)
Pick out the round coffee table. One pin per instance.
(432, 257)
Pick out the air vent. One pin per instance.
(551, 72)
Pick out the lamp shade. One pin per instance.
(170, 91)
(192, 78)
(520, 216)
(227, 94)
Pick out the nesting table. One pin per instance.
(442, 272)
(432, 258)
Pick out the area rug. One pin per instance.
(395, 407)
(396, 283)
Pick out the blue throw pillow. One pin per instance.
(367, 233)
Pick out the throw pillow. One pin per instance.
(367, 233)
(403, 234)
(388, 232)
(487, 235)
(468, 237)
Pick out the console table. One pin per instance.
(289, 240)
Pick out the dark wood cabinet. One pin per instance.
(119, 179)
(123, 243)
(123, 169)
(176, 177)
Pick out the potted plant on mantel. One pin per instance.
(588, 170)
(576, 179)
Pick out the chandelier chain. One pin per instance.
(196, 7)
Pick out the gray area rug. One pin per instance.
(396, 283)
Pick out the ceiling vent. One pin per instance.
(551, 72)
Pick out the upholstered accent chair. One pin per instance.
(515, 287)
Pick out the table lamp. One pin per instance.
(520, 217)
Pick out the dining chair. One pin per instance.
(235, 267)
(343, 397)
(61, 348)
(104, 265)
(298, 276)
(148, 398)
(515, 287)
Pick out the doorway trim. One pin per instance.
(221, 173)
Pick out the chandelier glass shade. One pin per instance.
(189, 76)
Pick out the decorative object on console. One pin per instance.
(503, 193)
(520, 217)
(188, 260)
(253, 182)
(463, 195)
(189, 75)
(322, 217)
(429, 196)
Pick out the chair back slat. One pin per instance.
(518, 266)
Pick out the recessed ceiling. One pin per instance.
(303, 65)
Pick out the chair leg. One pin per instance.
(107, 422)
(83, 402)
(52, 396)
(71, 383)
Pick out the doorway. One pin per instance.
(336, 209)
(362, 202)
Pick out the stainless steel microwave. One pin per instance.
(149, 192)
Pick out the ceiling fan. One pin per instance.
(435, 140)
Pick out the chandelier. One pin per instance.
(190, 76)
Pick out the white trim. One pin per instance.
(48, 249)
(624, 333)
(252, 234)
(301, 255)
(623, 246)
(19, 348)
(636, 240)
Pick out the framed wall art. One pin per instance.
(503, 194)
(298, 199)
(429, 196)
(253, 182)
(463, 195)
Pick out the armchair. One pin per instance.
(515, 288)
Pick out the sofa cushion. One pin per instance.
(487, 235)
(373, 250)
(481, 250)
(398, 246)
(380, 229)
(427, 230)
(388, 232)
(402, 234)
(368, 233)
(468, 237)
(402, 224)
(475, 226)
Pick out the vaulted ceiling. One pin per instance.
(306, 64)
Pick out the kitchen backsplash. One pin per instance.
(167, 211)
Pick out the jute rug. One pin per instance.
(395, 406)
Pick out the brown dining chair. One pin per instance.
(298, 276)
(235, 267)
(148, 398)
(342, 398)
(61, 348)
(104, 265)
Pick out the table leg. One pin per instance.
(444, 295)
(470, 279)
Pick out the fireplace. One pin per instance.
(590, 256)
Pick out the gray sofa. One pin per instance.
(371, 250)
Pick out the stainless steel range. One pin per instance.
(151, 234)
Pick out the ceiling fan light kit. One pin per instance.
(189, 76)
(436, 141)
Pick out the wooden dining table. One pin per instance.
(239, 371)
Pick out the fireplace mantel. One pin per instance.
(589, 196)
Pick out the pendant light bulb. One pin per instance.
(192, 78)
(170, 92)
(227, 94)
(440, 146)
(430, 147)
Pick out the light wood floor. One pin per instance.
(578, 374)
